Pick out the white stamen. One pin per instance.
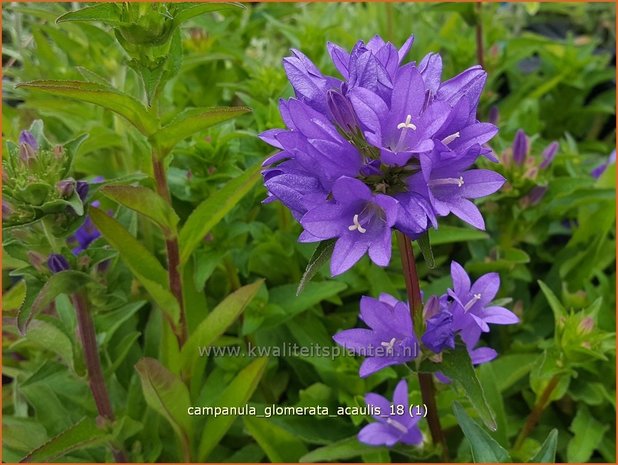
(397, 425)
(407, 124)
(448, 139)
(472, 301)
(447, 181)
(389, 345)
(356, 226)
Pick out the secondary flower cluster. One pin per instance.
(388, 145)
(465, 310)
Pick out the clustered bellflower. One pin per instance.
(387, 145)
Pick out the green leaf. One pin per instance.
(236, 394)
(140, 261)
(321, 255)
(452, 234)
(218, 320)
(187, 11)
(65, 282)
(167, 395)
(425, 246)
(554, 303)
(484, 448)
(14, 297)
(456, 364)
(207, 214)
(81, 435)
(342, 450)
(106, 97)
(107, 13)
(191, 121)
(46, 336)
(547, 452)
(588, 433)
(146, 202)
(279, 444)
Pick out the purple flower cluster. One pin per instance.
(465, 310)
(390, 145)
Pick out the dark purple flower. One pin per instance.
(396, 423)
(360, 220)
(520, 147)
(57, 263)
(82, 188)
(549, 154)
(85, 234)
(27, 138)
(390, 339)
(439, 334)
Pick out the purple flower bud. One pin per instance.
(57, 263)
(82, 189)
(65, 188)
(7, 208)
(341, 111)
(520, 147)
(432, 307)
(439, 334)
(58, 151)
(27, 153)
(494, 115)
(599, 170)
(534, 196)
(35, 259)
(26, 137)
(549, 154)
(585, 326)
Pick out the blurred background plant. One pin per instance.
(550, 233)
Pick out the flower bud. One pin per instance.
(494, 115)
(432, 307)
(36, 259)
(26, 137)
(534, 196)
(585, 326)
(549, 154)
(57, 263)
(58, 151)
(82, 189)
(7, 208)
(341, 111)
(520, 147)
(65, 188)
(27, 153)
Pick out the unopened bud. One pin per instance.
(82, 189)
(341, 111)
(549, 154)
(520, 147)
(65, 188)
(57, 263)
(7, 208)
(432, 307)
(58, 151)
(27, 153)
(36, 259)
(26, 137)
(585, 326)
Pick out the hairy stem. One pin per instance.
(416, 309)
(173, 255)
(96, 380)
(537, 410)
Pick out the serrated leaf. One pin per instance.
(484, 448)
(190, 10)
(191, 121)
(588, 433)
(218, 320)
(140, 261)
(14, 297)
(146, 202)
(106, 97)
(321, 255)
(82, 435)
(167, 395)
(547, 452)
(64, 282)
(107, 13)
(207, 214)
(425, 246)
(236, 394)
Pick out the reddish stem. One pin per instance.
(96, 380)
(413, 289)
(537, 410)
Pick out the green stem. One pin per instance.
(416, 309)
(96, 380)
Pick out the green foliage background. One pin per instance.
(551, 72)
